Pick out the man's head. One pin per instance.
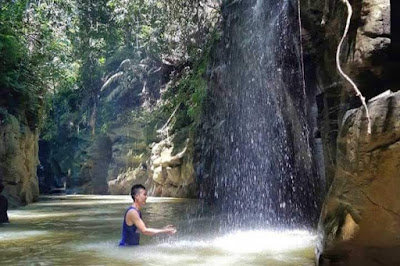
(136, 190)
(1, 187)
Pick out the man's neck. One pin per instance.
(136, 205)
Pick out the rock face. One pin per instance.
(125, 181)
(94, 172)
(167, 173)
(18, 161)
(365, 56)
(172, 172)
(360, 220)
(359, 223)
(373, 36)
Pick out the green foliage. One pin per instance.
(34, 56)
(141, 23)
(190, 90)
(55, 56)
(20, 87)
(63, 116)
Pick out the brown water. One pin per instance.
(85, 230)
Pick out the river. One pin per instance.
(85, 230)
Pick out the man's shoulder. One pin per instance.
(133, 211)
(133, 215)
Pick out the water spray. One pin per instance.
(358, 93)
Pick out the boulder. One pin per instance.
(360, 219)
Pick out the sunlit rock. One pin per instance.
(158, 175)
(373, 36)
(19, 159)
(168, 172)
(125, 181)
(172, 170)
(360, 220)
(162, 154)
(174, 175)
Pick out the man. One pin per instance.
(133, 223)
(3, 206)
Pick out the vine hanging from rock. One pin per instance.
(358, 93)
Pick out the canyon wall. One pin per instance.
(359, 219)
(18, 161)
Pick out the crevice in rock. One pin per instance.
(383, 146)
(378, 205)
(375, 35)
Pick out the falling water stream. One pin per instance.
(84, 230)
(256, 160)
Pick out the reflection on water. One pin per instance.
(85, 230)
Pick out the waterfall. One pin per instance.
(257, 164)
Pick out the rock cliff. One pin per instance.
(168, 172)
(366, 56)
(172, 172)
(18, 161)
(359, 219)
(360, 223)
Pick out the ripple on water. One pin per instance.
(30, 215)
(16, 235)
(98, 199)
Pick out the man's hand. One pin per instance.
(169, 229)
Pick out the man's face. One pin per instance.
(141, 197)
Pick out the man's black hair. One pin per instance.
(1, 187)
(135, 190)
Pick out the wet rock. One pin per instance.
(178, 191)
(3, 206)
(360, 220)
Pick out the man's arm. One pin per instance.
(134, 218)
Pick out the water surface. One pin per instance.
(85, 230)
